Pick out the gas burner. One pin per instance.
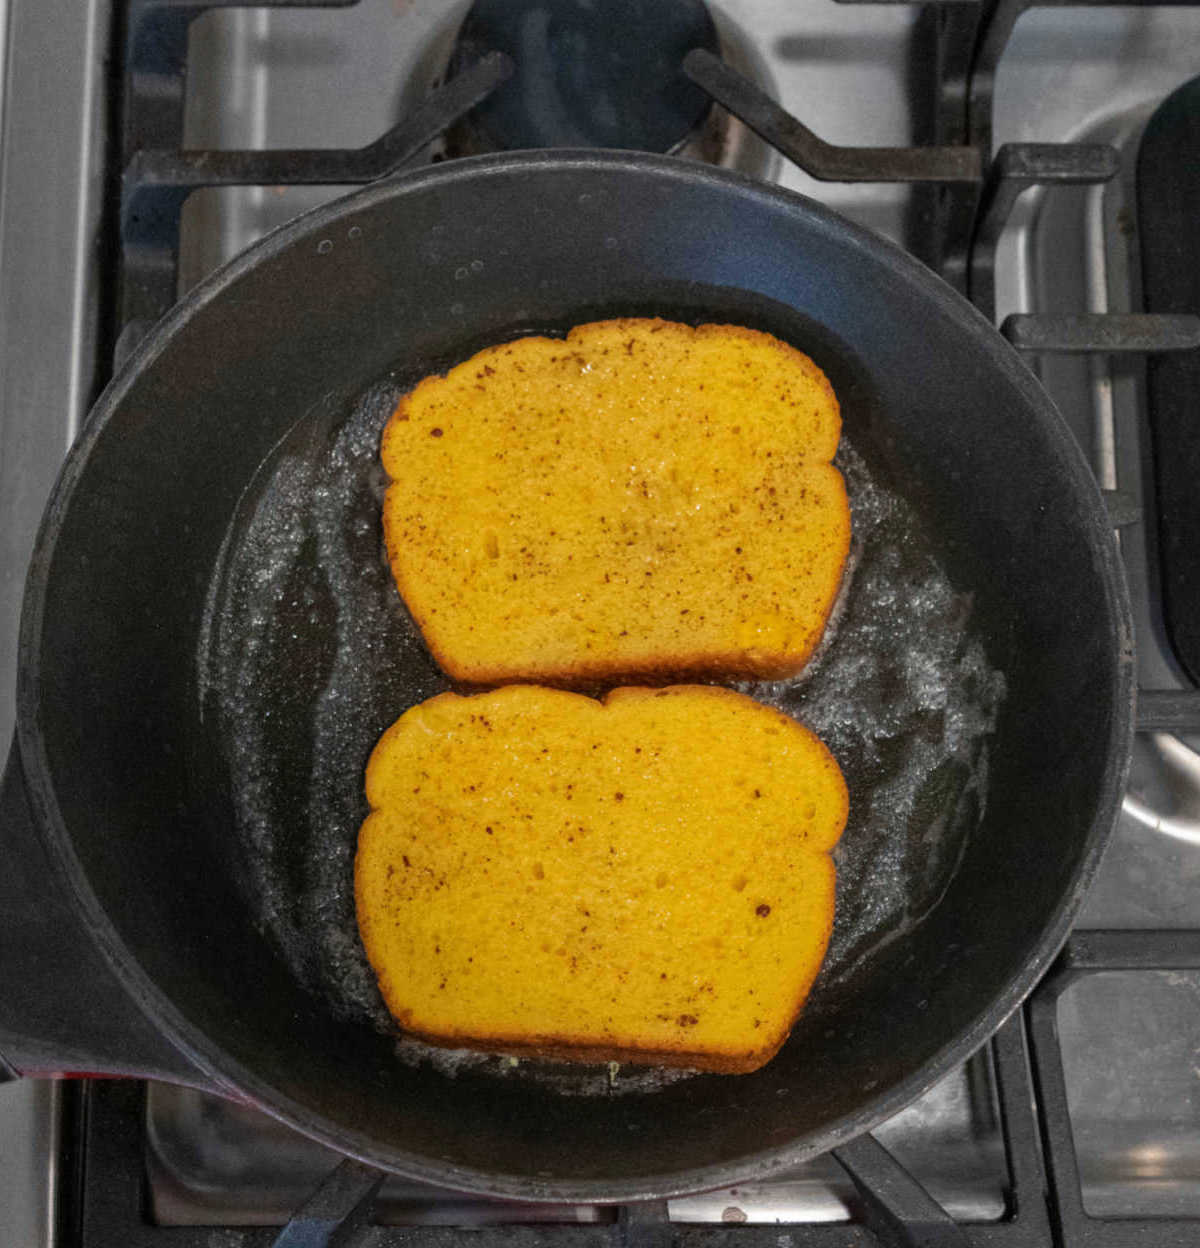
(589, 75)
(599, 76)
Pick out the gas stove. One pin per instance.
(1028, 190)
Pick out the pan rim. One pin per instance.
(227, 1072)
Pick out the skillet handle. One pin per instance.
(62, 1010)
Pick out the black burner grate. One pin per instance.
(158, 176)
(971, 193)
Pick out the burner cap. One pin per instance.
(590, 73)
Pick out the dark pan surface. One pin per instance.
(290, 357)
(309, 655)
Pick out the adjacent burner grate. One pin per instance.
(102, 1161)
(158, 176)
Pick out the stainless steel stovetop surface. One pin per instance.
(308, 78)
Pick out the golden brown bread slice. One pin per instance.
(645, 879)
(643, 499)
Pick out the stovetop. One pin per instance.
(857, 74)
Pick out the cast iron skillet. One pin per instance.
(128, 792)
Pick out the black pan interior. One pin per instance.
(271, 362)
(308, 655)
